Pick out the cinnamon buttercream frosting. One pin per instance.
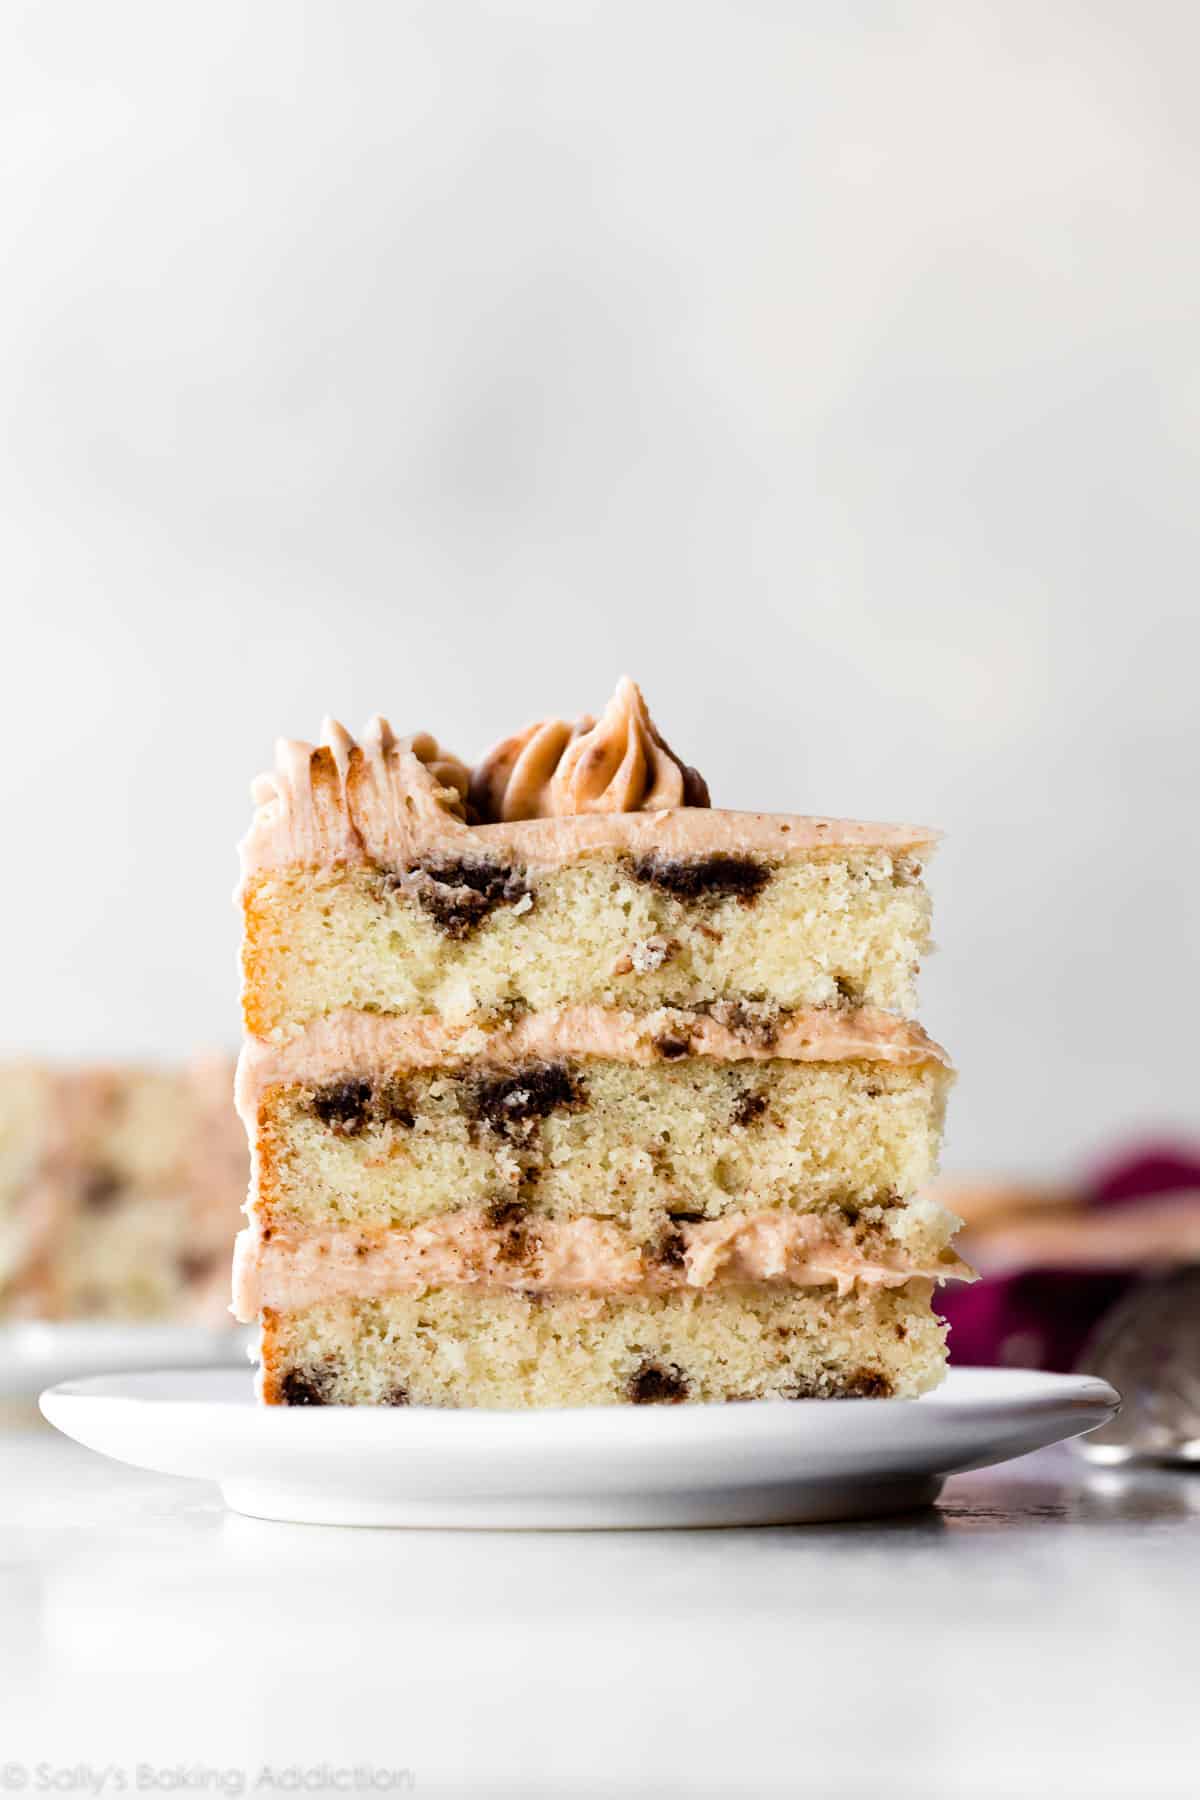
(619, 763)
(356, 1043)
(547, 795)
(576, 1255)
(343, 801)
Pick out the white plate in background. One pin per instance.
(36, 1353)
(761, 1462)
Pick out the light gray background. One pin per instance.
(831, 368)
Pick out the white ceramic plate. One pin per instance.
(757, 1463)
(35, 1353)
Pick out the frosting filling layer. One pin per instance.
(353, 1043)
(521, 1252)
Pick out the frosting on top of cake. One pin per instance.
(548, 794)
(619, 763)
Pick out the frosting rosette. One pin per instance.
(619, 763)
(451, 776)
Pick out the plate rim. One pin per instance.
(1049, 1392)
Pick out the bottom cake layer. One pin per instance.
(450, 1348)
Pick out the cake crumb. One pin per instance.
(651, 954)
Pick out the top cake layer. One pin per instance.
(574, 865)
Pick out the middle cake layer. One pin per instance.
(390, 1145)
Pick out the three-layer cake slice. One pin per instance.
(563, 1087)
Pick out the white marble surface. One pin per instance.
(1033, 1635)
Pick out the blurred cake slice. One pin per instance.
(120, 1191)
(563, 1087)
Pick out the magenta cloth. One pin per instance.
(1041, 1318)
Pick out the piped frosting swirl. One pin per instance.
(452, 778)
(342, 800)
(618, 764)
(515, 777)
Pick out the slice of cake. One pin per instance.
(563, 1087)
(119, 1191)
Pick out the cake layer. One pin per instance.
(511, 1248)
(454, 1348)
(478, 934)
(132, 1261)
(640, 1145)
